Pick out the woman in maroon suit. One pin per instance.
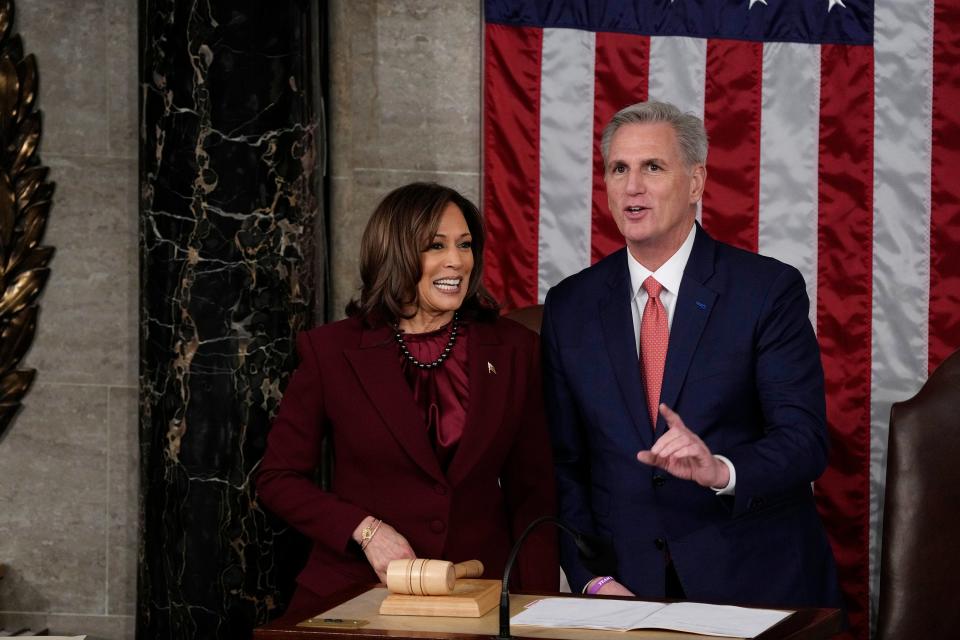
(433, 406)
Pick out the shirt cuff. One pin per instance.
(728, 490)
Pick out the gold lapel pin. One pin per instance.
(491, 369)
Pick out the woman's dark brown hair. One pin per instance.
(399, 231)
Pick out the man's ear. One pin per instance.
(698, 179)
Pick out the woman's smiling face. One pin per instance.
(445, 265)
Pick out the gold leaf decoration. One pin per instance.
(25, 201)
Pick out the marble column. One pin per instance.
(231, 236)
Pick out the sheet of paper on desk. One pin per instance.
(623, 615)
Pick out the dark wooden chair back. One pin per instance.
(920, 561)
(531, 317)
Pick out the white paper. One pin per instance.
(716, 620)
(586, 613)
(623, 615)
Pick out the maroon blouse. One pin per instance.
(442, 393)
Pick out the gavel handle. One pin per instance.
(468, 569)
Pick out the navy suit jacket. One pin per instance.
(743, 371)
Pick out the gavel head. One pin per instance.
(421, 577)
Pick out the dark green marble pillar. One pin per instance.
(231, 234)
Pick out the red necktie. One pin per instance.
(654, 334)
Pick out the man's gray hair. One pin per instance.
(691, 135)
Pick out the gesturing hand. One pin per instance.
(386, 545)
(681, 453)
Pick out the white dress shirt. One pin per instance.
(669, 276)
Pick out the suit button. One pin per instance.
(659, 481)
(437, 526)
(440, 489)
(660, 544)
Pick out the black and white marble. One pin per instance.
(230, 145)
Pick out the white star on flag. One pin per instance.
(764, 2)
(836, 2)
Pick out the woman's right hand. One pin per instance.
(385, 545)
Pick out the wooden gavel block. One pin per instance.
(420, 577)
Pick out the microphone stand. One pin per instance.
(596, 554)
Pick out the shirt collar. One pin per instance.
(670, 272)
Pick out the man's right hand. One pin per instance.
(614, 588)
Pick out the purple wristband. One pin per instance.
(596, 586)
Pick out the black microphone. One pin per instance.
(596, 554)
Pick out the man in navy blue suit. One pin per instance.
(685, 394)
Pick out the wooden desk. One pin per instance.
(363, 603)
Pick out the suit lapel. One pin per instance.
(616, 318)
(377, 365)
(490, 369)
(695, 302)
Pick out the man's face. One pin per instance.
(651, 193)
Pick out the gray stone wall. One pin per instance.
(68, 466)
(405, 105)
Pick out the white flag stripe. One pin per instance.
(903, 61)
(566, 154)
(678, 68)
(678, 75)
(789, 143)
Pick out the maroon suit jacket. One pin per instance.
(350, 386)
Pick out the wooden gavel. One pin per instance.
(420, 577)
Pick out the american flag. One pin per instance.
(834, 146)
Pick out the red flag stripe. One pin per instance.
(511, 172)
(731, 113)
(622, 73)
(944, 336)
(844, 306)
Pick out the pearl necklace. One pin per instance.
(454, 325)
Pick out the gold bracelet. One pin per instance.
(367, 533)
